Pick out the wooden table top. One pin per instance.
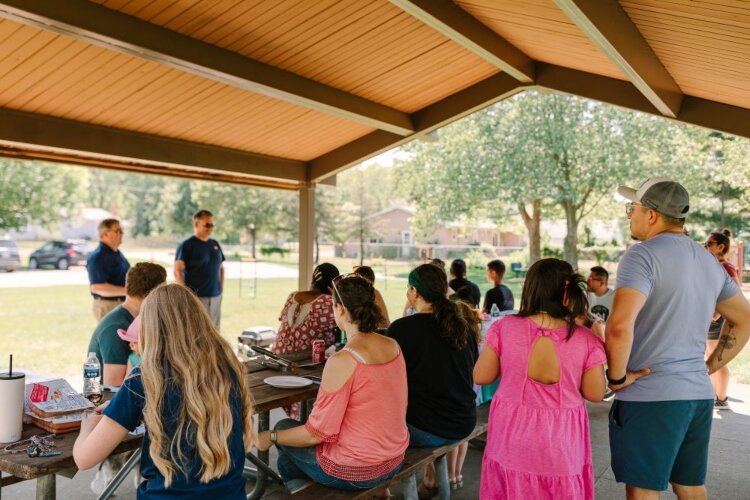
(265, 398)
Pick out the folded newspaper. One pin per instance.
(54, 398)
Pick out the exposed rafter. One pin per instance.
(608, 26)
(71, 139)
(180, 173)
(463, 103)
(455, 23)
(113, 30)
(695, 111)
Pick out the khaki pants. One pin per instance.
(213, 306)
(100, 308)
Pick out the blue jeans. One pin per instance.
(298, 465)
(423, 439)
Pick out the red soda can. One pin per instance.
(318, 351)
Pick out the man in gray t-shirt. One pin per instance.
(667, 290)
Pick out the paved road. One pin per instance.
(77, 275)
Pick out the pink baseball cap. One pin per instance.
(131, 334)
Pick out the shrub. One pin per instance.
(268, 251)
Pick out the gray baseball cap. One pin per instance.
(663, 195)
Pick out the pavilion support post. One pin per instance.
(306, 233)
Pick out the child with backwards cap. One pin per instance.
(131, 337)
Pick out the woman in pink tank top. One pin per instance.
(538, 443)
(356, 435)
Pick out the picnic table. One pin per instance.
(20, 467)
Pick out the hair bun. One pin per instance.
(727, 232)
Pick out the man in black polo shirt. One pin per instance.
(107, 267)
(199, 264)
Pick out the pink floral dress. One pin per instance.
(300, 325)
(538, 443)
(303, 323)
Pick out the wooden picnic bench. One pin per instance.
(416, 459)
(518, 270)
(19, 467)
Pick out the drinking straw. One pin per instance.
(10, 369)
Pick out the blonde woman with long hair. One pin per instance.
(191, 393)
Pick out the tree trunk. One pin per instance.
(532, 222)
(570, 244)
(361, 243)
(317, 248)
(721, 197)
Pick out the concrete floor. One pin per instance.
(728, 476)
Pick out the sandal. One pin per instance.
(425, 492)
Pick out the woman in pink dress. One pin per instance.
(538, 442)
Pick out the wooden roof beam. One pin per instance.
(608, 26)
(695, 111)
(67, 138)
(454, 107)
(116, 31)
(461, 27)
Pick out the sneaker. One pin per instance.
(721, 404)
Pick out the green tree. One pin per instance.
(181, 216)
(35, 192)
(544, 154)
(342, 212)
(272, 211)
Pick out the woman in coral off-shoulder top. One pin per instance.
(356, 435)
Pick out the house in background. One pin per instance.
(392, 231)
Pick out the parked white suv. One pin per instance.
(9, 258)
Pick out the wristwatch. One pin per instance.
(272, 437)
(618, 381)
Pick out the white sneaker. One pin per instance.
(101, 480)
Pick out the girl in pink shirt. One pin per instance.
(356, 435)
(538, 443)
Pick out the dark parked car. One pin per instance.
(61, 254)
(9, 259)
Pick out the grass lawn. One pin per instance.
(47, 329)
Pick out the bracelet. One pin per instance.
(617, 381)
(272, 437)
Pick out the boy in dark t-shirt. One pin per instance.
(499, 294)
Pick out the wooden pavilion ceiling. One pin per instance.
(286, 92)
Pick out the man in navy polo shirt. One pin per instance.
(107, 267)
(199, 264)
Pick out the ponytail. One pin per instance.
(456, 321)
(723, 238)
(552, 286)
(578, 303)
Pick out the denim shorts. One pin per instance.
(423, 439)
(655, 443)
(298, 465)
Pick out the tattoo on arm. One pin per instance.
(726, 341)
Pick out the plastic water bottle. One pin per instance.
(92, 372)
(494, 311)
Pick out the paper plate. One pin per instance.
(287, 382)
